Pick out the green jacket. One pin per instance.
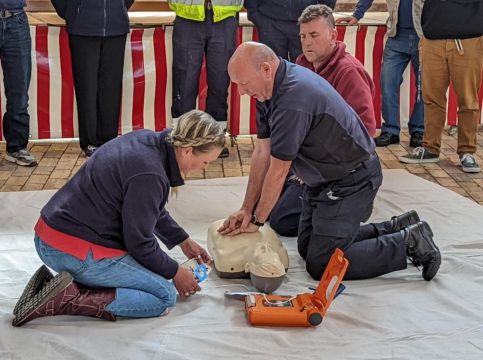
(195, 9)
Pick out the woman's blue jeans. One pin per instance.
(140, 293)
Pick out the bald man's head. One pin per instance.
(252, 67)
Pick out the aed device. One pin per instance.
(306, 309)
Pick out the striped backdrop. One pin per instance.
(146, 99)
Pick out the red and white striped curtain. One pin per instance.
(146, 98)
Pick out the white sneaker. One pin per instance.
(469, 164)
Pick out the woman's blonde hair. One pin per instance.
(198, 130)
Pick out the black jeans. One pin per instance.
(97, 64)
(331, 219)
(15, 49)
(191, 40)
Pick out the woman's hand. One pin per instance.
(194, 250)
(185, 282)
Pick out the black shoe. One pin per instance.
(420, 248)
(386, 139)
(224, 153)
(416, 139)
(90, 150)
(408, 218)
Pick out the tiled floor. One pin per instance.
(60, 160)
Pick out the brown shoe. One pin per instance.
(62, 296)
(37, 281)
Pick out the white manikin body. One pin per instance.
(258, 255)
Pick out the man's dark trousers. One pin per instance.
(331, 219)
(97, 64)
(15, 49)
(191, 40)
(281, 36)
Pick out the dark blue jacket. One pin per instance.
(94, 17)
(117, 200)
(12, 4)
(286, 10)
(310, 124)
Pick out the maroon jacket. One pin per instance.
(347, 75)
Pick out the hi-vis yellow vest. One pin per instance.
(195, 9)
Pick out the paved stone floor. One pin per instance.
(58, 161)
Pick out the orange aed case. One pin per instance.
(303, 309)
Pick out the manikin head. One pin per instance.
(197, 139)
(265, 268)
(252, 68)
(318, 34)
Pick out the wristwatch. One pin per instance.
(254, 220)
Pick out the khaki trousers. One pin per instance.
(441, 62)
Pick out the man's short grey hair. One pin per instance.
(313, 12)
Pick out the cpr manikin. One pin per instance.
(259, 256)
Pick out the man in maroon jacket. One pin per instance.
(328, 57)
(323, 54)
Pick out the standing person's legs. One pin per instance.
(111, 65)
(138, 291)
(220, 47)
(15, 49)
(292, 33)
(465, 72)
(188, 49)
(416, 121)
(85, 52)
(396, 56)
(270, 35)
(435, 82)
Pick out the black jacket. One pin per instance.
(452, 19)
(94, 17)
(286, 10)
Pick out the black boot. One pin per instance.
(408, 218)
(386, 139)
(421, 249)
(37, 281)
(62, 296)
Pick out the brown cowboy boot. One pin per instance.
(37, 281)
(62, 296)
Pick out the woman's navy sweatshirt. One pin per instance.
(117, 200)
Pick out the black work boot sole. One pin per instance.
(41, 276)
(431, 258)
(49, 291)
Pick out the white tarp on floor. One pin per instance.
(397, 316)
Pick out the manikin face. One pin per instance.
(317, 40)
(189, 161)
(257, 83)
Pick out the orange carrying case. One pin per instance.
(306, 309)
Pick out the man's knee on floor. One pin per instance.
(282, 226)
(315, 266)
